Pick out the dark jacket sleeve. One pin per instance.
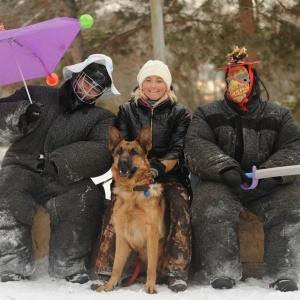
(11, 108)
(204, 157)
(84, 159)
(122, 122)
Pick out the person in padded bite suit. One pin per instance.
(58, 143)
(225, 139)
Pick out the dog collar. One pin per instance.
(144, 188)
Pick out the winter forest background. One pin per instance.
(198, 36)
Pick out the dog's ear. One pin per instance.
(114, 138)
(145, 138)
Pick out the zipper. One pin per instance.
(151, 126)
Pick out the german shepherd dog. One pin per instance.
(138, 213)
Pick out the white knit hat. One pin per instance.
(155, 68)
(94, 58)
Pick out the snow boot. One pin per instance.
(103, 279)
(284, 285)
(222, 283)
(11, 277)
(176, 284)
(78, 278)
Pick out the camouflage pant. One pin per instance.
(177, 253)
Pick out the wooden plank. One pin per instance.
(251, 244)
(41, 233)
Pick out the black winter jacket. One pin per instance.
(169, 122)
(76, 142)
(221, 137)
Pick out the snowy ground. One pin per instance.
(42, 287)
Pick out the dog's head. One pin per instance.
(130, 158)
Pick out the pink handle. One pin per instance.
(254, 183)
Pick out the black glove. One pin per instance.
(31, 114)
(157, 168)
(267, 184)
(234, 177)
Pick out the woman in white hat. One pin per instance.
(155, 104)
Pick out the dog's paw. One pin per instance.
(105, 288)
(150, 289)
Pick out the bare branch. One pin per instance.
(287, 9)
(146, 27)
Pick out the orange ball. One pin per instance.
(52, 79)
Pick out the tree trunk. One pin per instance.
(247, 24)
(76, 49)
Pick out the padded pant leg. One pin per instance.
(215, 217)
(280, 214)
(75, 222)
(17, 211)
(16, 253)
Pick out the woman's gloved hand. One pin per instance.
(157, 168)
(234, 177)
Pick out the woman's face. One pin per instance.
(154, 87)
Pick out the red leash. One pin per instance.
(135, 274)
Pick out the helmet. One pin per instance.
(89, 84)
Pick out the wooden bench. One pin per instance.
(252, 245)
(41, 233)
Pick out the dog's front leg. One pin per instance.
(122, 253)
(152, 255)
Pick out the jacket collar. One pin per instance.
(252, 105)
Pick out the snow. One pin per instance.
(41, 286)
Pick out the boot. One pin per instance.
(284, 285)
(222, 283)
(11, 277)
(103, 279)
(78, 278)
(176, 284)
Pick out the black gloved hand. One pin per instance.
(234, 177)
(157, 168)
(31, 114)
(267, 184)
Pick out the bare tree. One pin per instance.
(70, 10)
